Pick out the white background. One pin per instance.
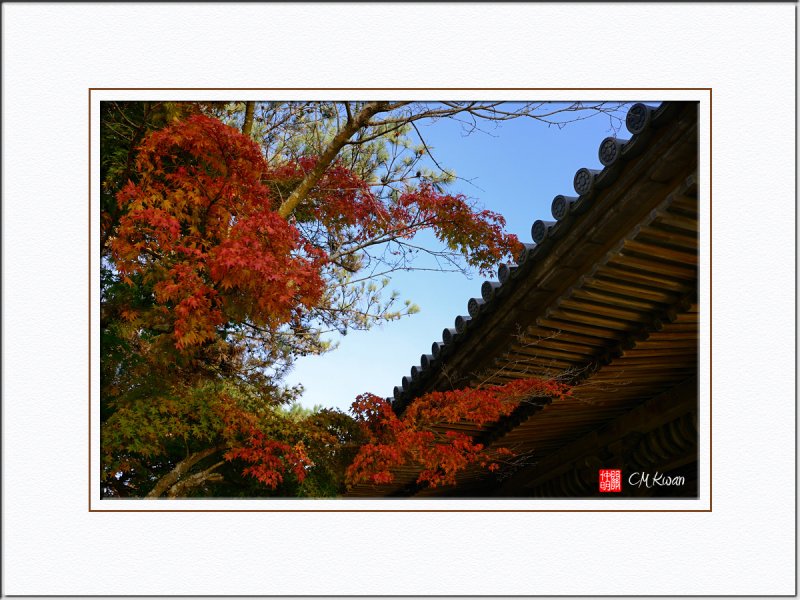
(52, 54)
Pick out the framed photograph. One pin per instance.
(413, 299)
(572, 375)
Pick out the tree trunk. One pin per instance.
(183, 467)
(249, 112)
(194, 480)
(329, 155)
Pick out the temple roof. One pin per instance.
(604, 298)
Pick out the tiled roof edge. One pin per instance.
(613, 153)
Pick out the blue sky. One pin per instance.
(516, 170)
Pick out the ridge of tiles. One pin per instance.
(613, 153)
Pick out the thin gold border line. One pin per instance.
(710, 303)
(401, 510)
(90, 299)
(391, 89)
(499, 510)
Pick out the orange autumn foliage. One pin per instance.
(199, 226)
(420, 436)
(200, 241)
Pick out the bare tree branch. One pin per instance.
(183, 467)
(195, 480)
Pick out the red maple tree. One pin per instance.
(421, 438)
(200, 240)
